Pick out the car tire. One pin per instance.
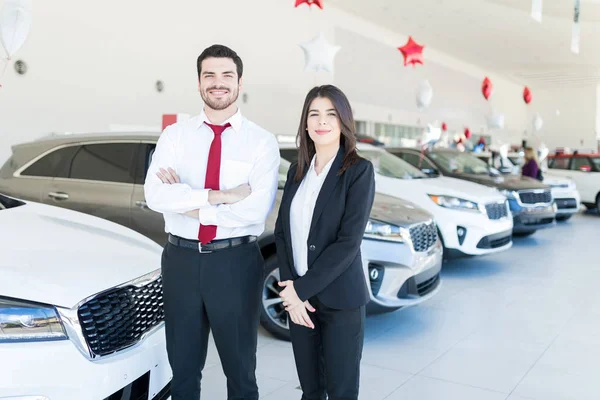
(563, 217)
(598, 203)
(273, 316)
(523, 234)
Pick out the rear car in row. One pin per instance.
(531, 202)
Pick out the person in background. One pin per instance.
(531, 168)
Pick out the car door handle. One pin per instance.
(142, 204)
(59, 195)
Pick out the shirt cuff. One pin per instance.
(200, 198)
(208, 215)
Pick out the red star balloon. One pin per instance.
(527, 96)
(467, 133)
(487, 88)
(444, 127)
(412, 52)
(318, 3)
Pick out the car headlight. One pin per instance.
(22, 321)
(382, 231)
(455, 203)
(510, 194)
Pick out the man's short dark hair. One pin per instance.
(220, 51)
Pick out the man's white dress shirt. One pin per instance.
(249, 154)
(301, 213)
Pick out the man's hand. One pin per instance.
(168, 176)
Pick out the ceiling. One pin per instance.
(498, 35)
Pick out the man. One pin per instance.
(214, 178)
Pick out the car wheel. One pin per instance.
(598, 203)
(273, 316)
(563, 217)
(523, 234)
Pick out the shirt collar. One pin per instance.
(325, 169)
(235, 120)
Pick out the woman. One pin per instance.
(531, 167)
(322, 219)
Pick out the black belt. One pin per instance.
(215, 245)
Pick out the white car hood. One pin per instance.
(60, 257)
(416, 190)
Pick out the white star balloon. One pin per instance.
(424, 95)
(319, 54)
(495, 121)
(15, 23)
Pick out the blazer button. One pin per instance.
(312, 247)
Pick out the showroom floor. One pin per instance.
(523, 324)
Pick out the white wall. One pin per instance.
(574, 126)
(94, 64)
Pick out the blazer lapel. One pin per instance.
(328, 186)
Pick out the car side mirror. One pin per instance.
(585, 168)
(430, 171)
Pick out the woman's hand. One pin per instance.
(295, 306)
(299, 316)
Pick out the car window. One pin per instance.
(107, 162)
(389, 165)
(581, 164)
(596, 162)
(56, 164)
(416, 160)
(290, 155)
(460, 163)
(559, 163)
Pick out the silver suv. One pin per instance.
(103, 175)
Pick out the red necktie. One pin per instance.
(206, 233)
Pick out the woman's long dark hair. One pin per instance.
(306, 146)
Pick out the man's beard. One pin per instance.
(219, 104)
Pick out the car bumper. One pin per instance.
(567, 201)
(476, 228)
(529, 219)
(57, 370)
(404, 277)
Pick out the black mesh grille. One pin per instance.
(423, 236)
(496, 211)
(117, 319)
(534, 197)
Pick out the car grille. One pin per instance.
(423, 236)
(563, 204)
(535, 197)
(496, 211)
(119, 318)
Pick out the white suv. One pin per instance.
(472, 219)
(81, 312)
(584, 169)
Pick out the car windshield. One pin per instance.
(460, 163)
(7, 202)
(391, 166)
